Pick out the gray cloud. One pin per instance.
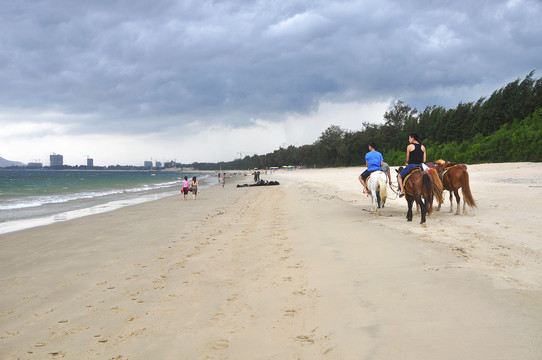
(153, 65)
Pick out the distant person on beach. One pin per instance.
(373, 161)
(218, 175)
(223, 180)
(415, 157)
(194, 187)
(186, 186)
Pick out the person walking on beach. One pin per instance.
(373, 161)
(415, 157)
(223, 180)
(194, 187)
(186, 186)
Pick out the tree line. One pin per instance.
(507, 126)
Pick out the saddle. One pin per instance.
(445, 170)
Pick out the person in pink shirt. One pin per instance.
(186, 186)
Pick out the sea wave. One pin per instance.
(40, 200)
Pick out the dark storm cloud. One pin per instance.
(165, 62)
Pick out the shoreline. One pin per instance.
(95, 205)
(299, 270)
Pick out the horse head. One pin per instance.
(441, 164)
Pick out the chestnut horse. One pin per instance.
(418, 187)
(455, 176)
(438, 188)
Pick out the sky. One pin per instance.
(129, 81)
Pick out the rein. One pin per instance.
(395, 192)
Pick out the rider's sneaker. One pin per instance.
(401, 194)
(365, 191)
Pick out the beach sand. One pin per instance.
(296, 271)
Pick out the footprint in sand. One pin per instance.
(44, 312)
(304, 339)
(218, 316)
(9, 334)
(57, 354)
(221, 344)
(290, 313)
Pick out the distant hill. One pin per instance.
(6, 163)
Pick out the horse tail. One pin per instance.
(427, 186)
(438, 188)
(465, 189)
(383, 185)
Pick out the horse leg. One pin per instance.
(378, 200)
(374, 207)
(409, 212)
(458, 200)
(464, 209)
(423, 208)
(451, 203)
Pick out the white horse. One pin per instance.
(377, 184)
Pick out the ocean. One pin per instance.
(30, 198)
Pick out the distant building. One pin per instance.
(56, 160)
(34, 165)
(158, 164)
(147, 164)
(90, 162)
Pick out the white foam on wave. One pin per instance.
(17, 225)
(40, 200)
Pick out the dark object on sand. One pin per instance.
(260, 183)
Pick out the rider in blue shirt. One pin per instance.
(373, 161)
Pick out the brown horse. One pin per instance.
(438, 188)
(418, 187)
(454, 177)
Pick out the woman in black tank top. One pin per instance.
(416, 155)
